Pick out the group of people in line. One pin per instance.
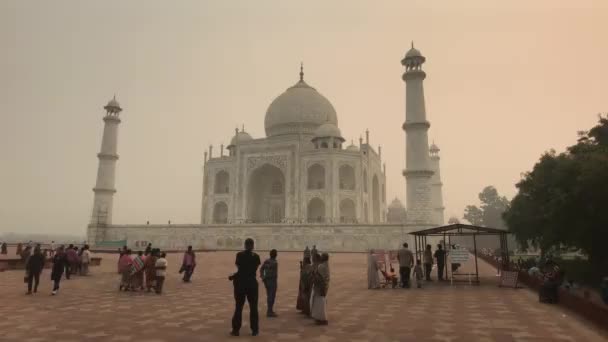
(312, 292)
(406, 258)
(145, 270)
(68, 260)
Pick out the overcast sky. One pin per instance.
(506, 81)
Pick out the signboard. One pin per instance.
(458, 256)
(508, 279)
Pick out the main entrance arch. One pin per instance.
(266, 195)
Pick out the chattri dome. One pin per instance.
(241, 137)
(300, 109)
(328, 130)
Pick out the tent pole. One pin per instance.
(475, 249)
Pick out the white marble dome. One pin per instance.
(300, 109)
(328, 130)
(242, 136)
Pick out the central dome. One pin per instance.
(300, 109)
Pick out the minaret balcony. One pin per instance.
(416, 125)
(414, 74)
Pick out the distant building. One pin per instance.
(396, 212)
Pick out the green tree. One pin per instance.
(562, 202)
(489, 213)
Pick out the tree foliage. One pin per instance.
(563, 201)
(489, 213)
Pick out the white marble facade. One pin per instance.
(299, 185)
(299, 173)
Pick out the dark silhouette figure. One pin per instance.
(245, 287)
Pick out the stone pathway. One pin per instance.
(91, 308)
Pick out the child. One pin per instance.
(161, 267)
(418, 274)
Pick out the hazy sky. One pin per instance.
(506, 81)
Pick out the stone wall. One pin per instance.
(333, 238)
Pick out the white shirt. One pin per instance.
(160, 263)
(86, 256)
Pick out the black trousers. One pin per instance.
(405, 276)
(246, 290)
(35, 279)
(56, 282)
(440, 271)
(427, 271)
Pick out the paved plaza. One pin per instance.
(91, 308)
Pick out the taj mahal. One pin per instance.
(299, 185)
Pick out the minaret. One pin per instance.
(417, 167)
(104, 188)
(436, 187)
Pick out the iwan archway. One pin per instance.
(266, 195)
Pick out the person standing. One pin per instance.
(305, 288)
(373, 279)
(124, 268)
(314, 251)
(4, 248)
(306, 253)
(188, 264)
(137, 271)
(60, 262)
(52, 251)
(85, 259)
(19, 249)
(150, 269)
(428, 262)
(319, 292)
(418, 274)
(245, 287)
(148, 250)
(72, 257)
(406, 261)
(440, 256)
(33, 268)
(269, 273)
(161, 268)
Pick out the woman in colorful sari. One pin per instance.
(137, 271)
(150, 269)
(319, 292)
(124, 267)
(303, 302)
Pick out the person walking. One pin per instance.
(246, 287)
(406, 261)
(306, 253)
(188, 264)
(428, 262)
(33, 268)
(72, 258)
(269, 273)
(440, 256)
(60, 262)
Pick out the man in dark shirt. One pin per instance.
(269, 273)
(440, 256)
(245, 287)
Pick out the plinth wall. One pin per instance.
(292, 237)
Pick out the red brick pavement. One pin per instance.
(91, 309)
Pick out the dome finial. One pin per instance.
(243, 128)
(412, 44)
(301, 71)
